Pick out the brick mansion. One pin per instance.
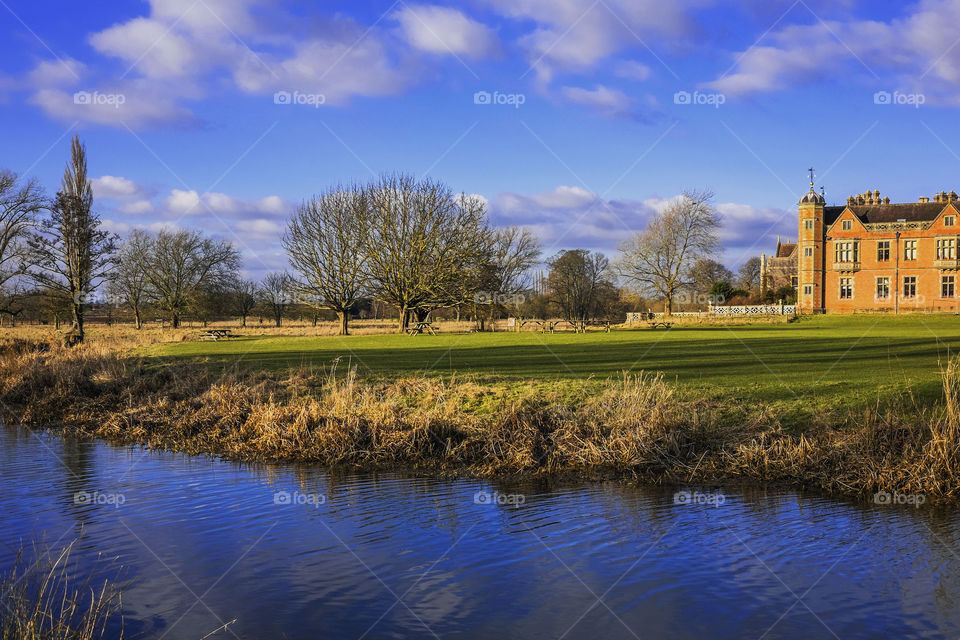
(871, 255)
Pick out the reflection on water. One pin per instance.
(296, 552)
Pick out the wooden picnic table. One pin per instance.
(422, 327)
(654, 324)
(215, 334)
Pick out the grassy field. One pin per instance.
(848, 404)
(824, 361)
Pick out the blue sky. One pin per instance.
(183, 106)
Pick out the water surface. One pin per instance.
(298, 552)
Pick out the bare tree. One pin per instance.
(70, 253)
(20, 202)
(659, 259)
(749, 274)
(181, 265)
(276, 294)
(706, 274)
(422, 244)
(325, 243)
(579, 285)
(129, 284)
(243, 296)
(502, 275)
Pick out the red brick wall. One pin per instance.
(864, 280)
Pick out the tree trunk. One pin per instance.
(278, 319)
(422, 314)
(137, 318)
(78, 322)
(175, 320)
(243, 321)
(343, 317)
(404, 320)
(668, 305)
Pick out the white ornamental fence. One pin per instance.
(756, 310)
(739, 310)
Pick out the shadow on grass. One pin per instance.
(781, 368)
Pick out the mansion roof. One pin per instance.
(885, 213)
(785, 250)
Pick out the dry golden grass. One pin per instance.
(126, 335)
(638, 427)
(41, 600)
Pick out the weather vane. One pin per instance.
(811, 178)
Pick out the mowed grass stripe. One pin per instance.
(838, 359)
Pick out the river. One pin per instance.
(282, 551)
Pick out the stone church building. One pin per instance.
(871, 255)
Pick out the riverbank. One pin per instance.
(635, 427)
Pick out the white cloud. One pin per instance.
(603, 100)
(183, 202)
(56, 73)
(573, 217)
(570, 217)
(915, 52)
(632, 70)
(574, 35)
(261, 227)
(337, 69)
(155, 48)
(163, 225)
(191, 47)
(115, 187)
(137, 207)
(113, 226)
(134, 104)
(442, 30)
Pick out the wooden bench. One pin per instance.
(422, 327)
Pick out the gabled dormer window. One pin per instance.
(847, 225)
(948, 221)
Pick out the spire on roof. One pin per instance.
(812, 196)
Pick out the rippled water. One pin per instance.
(295, 552)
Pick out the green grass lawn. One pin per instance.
(831, 360)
